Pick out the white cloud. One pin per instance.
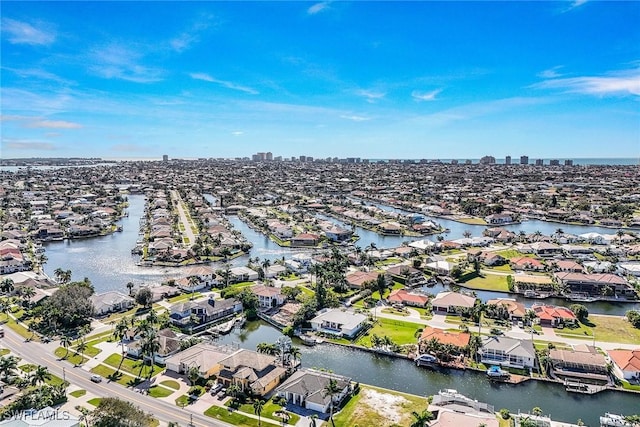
(355, 118)
(55, 124)
(318, 7)
(39, 74)
(25, 33)
(619, 83)
(425, 96)
(551, 73)
(229, 85)
(237, 133)
(192, 35)
(574, 4)
(371, 95)
(26, 144)
(116, 61)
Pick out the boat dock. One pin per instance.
(511, 379)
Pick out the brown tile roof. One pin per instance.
(459, 339)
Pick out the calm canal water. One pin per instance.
(108, 263)
(403, 375)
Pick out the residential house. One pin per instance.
(357, 279)
(498, 219)
(390, 229)
(169, 344)
(402, 296)
(110, 302)
(509, 352)
(626, 364)
(205, 310)
(514, 309)
(583, 363)
(526, 263)
(554, 316)
(306, 388)
(243, 274)
(596, 284)
(525, 282)
(453, 409)
(206, 357)
(338, 322)
(304, 239)
(337, 234)
(274, 271)
(268, 296)
(452, 302)
(566, 265)
(440, 267)
(204, 273)
(456, 339)
(406, 274)
(251, 371)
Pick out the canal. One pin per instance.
(403, 375)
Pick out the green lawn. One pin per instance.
(394, 311)
(490, 282)
(112, 375)
(512, 253)
(4, 351)
(78, 393)
(132, 366)
(171, 384)
(500, 268)
(267, 411)
(183, 400)
(358, 411)
(627, 386)
(95, 401)
(158, 391)
(22, 331)
(234, 417)
(473, 221)
(184, 297)
(71, 357)
(27, 367)
(605, 328)
(399, 331)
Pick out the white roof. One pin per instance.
(348, 319)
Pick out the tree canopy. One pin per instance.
(113, 412)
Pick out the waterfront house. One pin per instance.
(268, 296)
(205, 310)
(459, 340)
(626, 364)
(509, 352)
(407, 275)
(403, 297)
(169, 344)
(338, 322)
(554, 316)
(453, 409)
(243, 274)
(357, 279)
(306, 388)
(110, 302)
(205, 357)
(440, 267)
(274, 271)
(498, 219)
(337, 234)
(526, 263)
(205, 274)
(390, 228)
(596, 284)
(513, 309)
(566, 265)
(452, 302)
(525, 282)
(583, 363)
(251, 371)
(304, 239)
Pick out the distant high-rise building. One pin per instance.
(568, 162)
(269, 156)
(488, 160)
(524, 160)
(165, 158)
(507, 160)
(303, 158)
(277, 158)
(309, 159)
(467, 162)
(554, 162)
(454, 161)
(255, 157)
(539, 162)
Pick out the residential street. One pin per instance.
(42, 354)
(188, 232)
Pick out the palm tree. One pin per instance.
(65, 341)
(257, 409)
(4, 308)
(130, 287)
(27, 293)
(267, 348)
(233, 390)
(193, 374)
(152, 317)
(421, 418)
(331, 390)
(81, 347)
(537, 411)
(8, 366)
(313, 419)
(39, 375)
(295, 353)
(7, 285)
(466, 234)
(58, 273)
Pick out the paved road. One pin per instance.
(41, 354)
(183, 218)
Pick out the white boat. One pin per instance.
(495, 372)
(427, 360)
(308, 340)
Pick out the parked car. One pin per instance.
(222, 393)
(216, 388)
(96, 378)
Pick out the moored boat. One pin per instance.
(497, 373)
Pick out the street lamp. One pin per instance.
(64, 374)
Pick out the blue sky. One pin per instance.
(366, 79)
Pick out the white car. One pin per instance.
(96, 378)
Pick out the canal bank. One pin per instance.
(402, 375)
